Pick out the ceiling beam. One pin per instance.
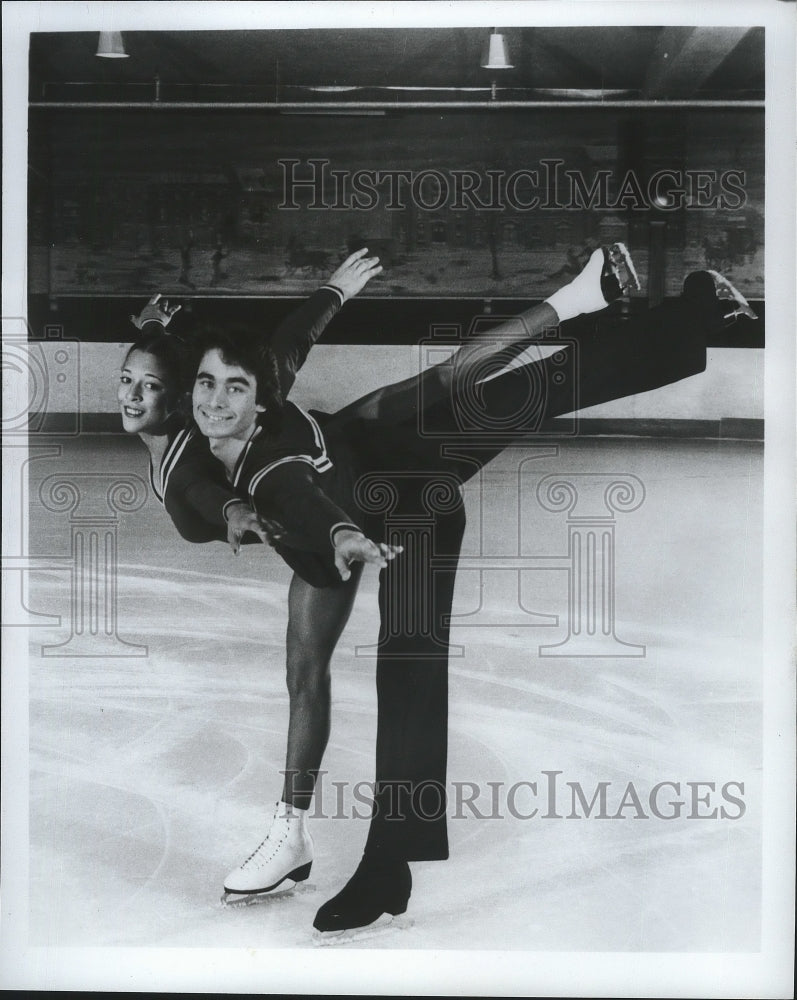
(393, 106)
(685, 57)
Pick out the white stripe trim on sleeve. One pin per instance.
(170, 460)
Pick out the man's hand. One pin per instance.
(354, 273)
(157, 310)
(353, 546)
(241, 518)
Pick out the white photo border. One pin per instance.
(424, 972)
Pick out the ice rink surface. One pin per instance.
(153, 775)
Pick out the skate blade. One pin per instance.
(727, 292)
(385, 924)
(623, 267)
(237, 900)
(742, 309)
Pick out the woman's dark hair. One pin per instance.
(171, 351)
(244, 347)
(175, 356)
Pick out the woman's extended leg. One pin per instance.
(609, 272)
(601, 359)
(316, 618)
(400, 401)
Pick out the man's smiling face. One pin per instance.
(224, 398)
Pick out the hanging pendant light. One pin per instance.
(497, 55)
(111, 46)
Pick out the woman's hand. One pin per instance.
(241, 518)
(354, 273)
(353, 546)
(157, 310)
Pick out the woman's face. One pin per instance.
(146, 397)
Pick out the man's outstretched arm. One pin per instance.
(300, 330)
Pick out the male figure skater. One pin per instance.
(313, 473)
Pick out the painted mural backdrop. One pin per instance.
(461, 204)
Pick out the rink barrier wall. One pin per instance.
(730, 429)
(72, 389)
(364, 320)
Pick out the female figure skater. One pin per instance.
(317, 475)
(191, 485)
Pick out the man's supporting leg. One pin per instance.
(415, 602)
(409, 815)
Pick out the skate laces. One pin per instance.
(259, 849)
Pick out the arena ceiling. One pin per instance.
(398, 66)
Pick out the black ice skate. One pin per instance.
(725, 302)
(378, 887)
(726, 292)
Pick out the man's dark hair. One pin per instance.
(244, 347)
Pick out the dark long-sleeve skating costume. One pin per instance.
(385, 467)
(190, 482)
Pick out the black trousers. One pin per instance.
(415, 600)
(437, 432)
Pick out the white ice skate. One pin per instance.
(282, 860)
(608, 274)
